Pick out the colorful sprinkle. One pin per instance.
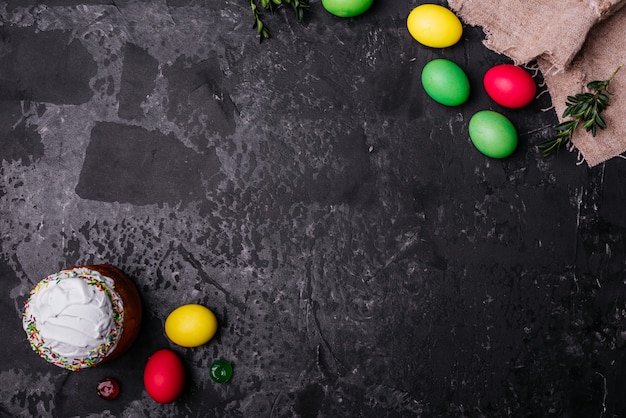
(95, 356)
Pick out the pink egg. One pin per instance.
(164, 376)
(510, 86)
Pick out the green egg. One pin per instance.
(347, 8)
(445, 82)
(493, 134)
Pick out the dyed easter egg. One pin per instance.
(164, 376)
(347, 8)
(191, 325)
(493, 134)
(445, 82)
(509, 85)
(434, 26)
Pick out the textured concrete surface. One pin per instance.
(363, 259)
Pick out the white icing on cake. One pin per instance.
(74, 318)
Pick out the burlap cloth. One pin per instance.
(573, 42)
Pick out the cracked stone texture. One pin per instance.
(363, 259)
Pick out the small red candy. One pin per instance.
(510, 86)
(108, 388)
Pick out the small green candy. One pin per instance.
(221, 371)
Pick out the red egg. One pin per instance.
(164, 376)
(510, 86)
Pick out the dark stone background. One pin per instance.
(363, 259)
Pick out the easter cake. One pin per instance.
(83, 316)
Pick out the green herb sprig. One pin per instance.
(582, 108)
(298, 6)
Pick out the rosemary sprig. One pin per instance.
(298, 6)
(582, 108)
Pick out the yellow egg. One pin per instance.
(435, 26)
(191, 325)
